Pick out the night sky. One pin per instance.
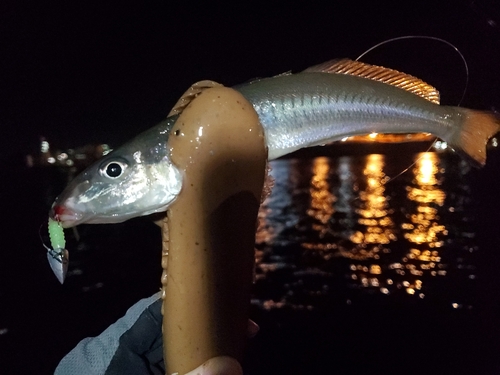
(102, 71)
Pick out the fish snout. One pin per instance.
(65, 216)
(68, 209)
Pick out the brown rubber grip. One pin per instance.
(209, 233)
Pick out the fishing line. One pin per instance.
(54, 253)
(41, 238)
(455, 48)
(466, 68)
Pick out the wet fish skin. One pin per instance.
(146, 184)
(340, 106)
(296, 111)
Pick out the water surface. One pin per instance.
(358, 271)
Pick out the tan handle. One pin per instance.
(219, 145)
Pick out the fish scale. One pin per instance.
(311, 108)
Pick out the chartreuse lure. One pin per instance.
(58, 256)
(56, 234)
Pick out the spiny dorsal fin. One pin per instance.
(191, 93)
(379, 73)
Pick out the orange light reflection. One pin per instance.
(322, 200)
(424, 228)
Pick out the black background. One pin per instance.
(102, 71)
(82, 72)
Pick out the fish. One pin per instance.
(324, 103)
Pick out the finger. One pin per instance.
(222, 365)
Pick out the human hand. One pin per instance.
(134, 345)
(222, 365)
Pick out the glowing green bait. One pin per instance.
(56, 235)
(58, 256)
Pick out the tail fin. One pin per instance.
(477, 129)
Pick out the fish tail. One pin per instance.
(476, 130)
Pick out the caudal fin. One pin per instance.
(477, 129)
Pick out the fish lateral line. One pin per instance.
(296, 111)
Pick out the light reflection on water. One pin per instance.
(337, 228)
(352, 257)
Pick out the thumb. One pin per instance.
(222, 365)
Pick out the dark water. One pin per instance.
(355, 230)
(356, 272)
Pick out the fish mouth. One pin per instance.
(69, 217)
(65, 216)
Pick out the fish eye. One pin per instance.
(113, 169)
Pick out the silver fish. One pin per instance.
(315, 107)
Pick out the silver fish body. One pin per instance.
(309, 109)
(296, 111)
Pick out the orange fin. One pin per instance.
(477, 129)
(378, 73)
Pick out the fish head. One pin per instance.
(134, 180)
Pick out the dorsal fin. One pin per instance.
(379, 73)
(192, 92)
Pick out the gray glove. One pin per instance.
(134, 345)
